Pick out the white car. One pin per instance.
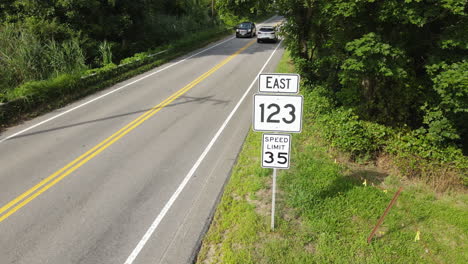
(266, 33)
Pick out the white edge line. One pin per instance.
(189, 175)
(106, 94)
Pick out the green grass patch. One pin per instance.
(325, 212)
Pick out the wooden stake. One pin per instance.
(369, 239)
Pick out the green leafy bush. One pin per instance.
(342, 127)
(447, 119)
(137, 57)
(420, 153)
(416, 155)
(396, 76)
(41, 91)
(386, 59)
(345, 131)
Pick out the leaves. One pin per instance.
(386, 59)
(127, 27)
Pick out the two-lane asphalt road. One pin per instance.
(131, 174)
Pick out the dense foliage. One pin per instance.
(401, 63)
(232, 12)
(42, 39)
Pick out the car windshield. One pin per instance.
(244, 25)
(267, 29)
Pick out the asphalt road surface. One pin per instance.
(131, 174)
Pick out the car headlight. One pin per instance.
(249, 30)
(237, 30)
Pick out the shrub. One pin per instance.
(342, 127)
(416, 153)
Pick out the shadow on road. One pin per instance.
(182, 100)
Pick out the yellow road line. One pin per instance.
(53, 179)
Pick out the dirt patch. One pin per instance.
(210, 255)
(236, 197)
(381, 232)
(367, 174)
(385, 163)
(310, 248)
(356, 219)
(288, 215)
(372, 173)
(262, 203)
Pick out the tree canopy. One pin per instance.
(79, 30)
(394, 62)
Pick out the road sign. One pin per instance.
(278, 83)
(275, 151)
(281, 113)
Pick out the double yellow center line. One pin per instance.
(23, 199)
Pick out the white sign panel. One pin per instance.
(278, 83)
(275, 151)
(281, 113)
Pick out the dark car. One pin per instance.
(246, 29)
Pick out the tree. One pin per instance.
(384, 59)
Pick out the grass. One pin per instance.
(25, 57)
(325, 212)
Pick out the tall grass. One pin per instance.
(105, 50)
(65, 57)
(25, 57)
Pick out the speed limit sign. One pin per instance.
(281, 113)
(275, 151)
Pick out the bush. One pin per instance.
(41, 91)
(342, 127)
(416, 153)
(345, 131)
(447, 120)
(386, 59)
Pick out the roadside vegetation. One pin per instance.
(394, 74)
(385, 89)
(327, 205)
(53, 52)
(41, 39)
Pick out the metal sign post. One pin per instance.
(273, 192)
